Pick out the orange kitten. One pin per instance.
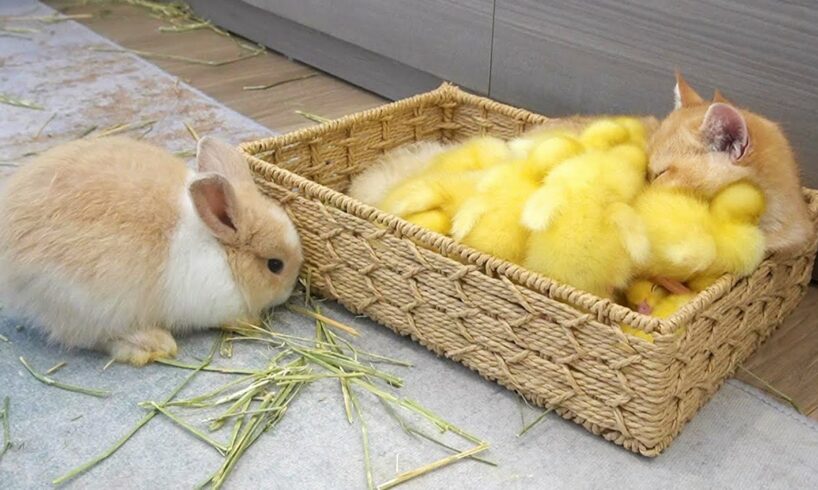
(706, 145)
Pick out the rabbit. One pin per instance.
(115, 245)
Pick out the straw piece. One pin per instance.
(329, 321)
(122, 128)
(4, 414)
(184, 59)
(56, 367)
(535, 422)
(215, 369)
(370, 479)
(50, 19)
(414, 431)
(192, 132)
(17, 102)
(144, 420)
(278, 84)
(42, 128)
(3, 338)
(64, 386)
(19, 32)
(313, 117)
(185, 153)
(772, 388)
(221, 448)
(409, 475)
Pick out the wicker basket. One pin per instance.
(557, 346)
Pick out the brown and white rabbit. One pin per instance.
(113, 244)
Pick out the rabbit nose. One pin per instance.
(275, 265)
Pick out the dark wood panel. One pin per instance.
(619, 55)
(448, 38)
(354, 64)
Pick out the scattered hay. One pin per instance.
(63, 386)
(17, 102)
(313, 117)
(56, 367)
(772, 389)
(253, 52)
(278, 84)
(257, 399)
(48, 19)
(4, 414)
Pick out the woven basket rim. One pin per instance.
(601, 308)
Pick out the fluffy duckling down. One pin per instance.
(677, 224)
(591, 245)
(693, 240)
(612, 168)
(735, 215)
(431, 200)
(430, 197)
(490, 220)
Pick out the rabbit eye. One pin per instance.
(275, 265)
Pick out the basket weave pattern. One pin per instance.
(557, 346)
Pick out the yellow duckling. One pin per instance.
(591, 245)
(677, 224)
(671, 304)
(666, 305)
(637, 132)
(616, 174)
(735, 214)
(604, 134)
(475, 154)
(701, 282)
(643, 295)
(490, 220)
(422, 159)
(432, 196)
(431, 200)
(697, 242)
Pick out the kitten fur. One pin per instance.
(704, 146)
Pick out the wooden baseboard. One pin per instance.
(376, 73)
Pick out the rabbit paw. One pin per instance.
(143, 347)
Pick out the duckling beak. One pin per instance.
(644, 308)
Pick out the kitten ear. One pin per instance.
(724, 129)
(215, 155)
(718, 97)
(685, 95)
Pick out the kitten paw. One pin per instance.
(142, 347)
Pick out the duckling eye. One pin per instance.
(275, 265)
(658, 174)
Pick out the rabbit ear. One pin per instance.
(214, 155)
(215, 201)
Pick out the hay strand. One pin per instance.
(141, 423)
(64, 386)
(317, 316)
(184, 59)
(772, 389)
(535, 422)
(47, 122)
(4, 414)
(412, 474)
(50, 19)
(278, 84)
(56, 367)
(313, 117)
(17, 102)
